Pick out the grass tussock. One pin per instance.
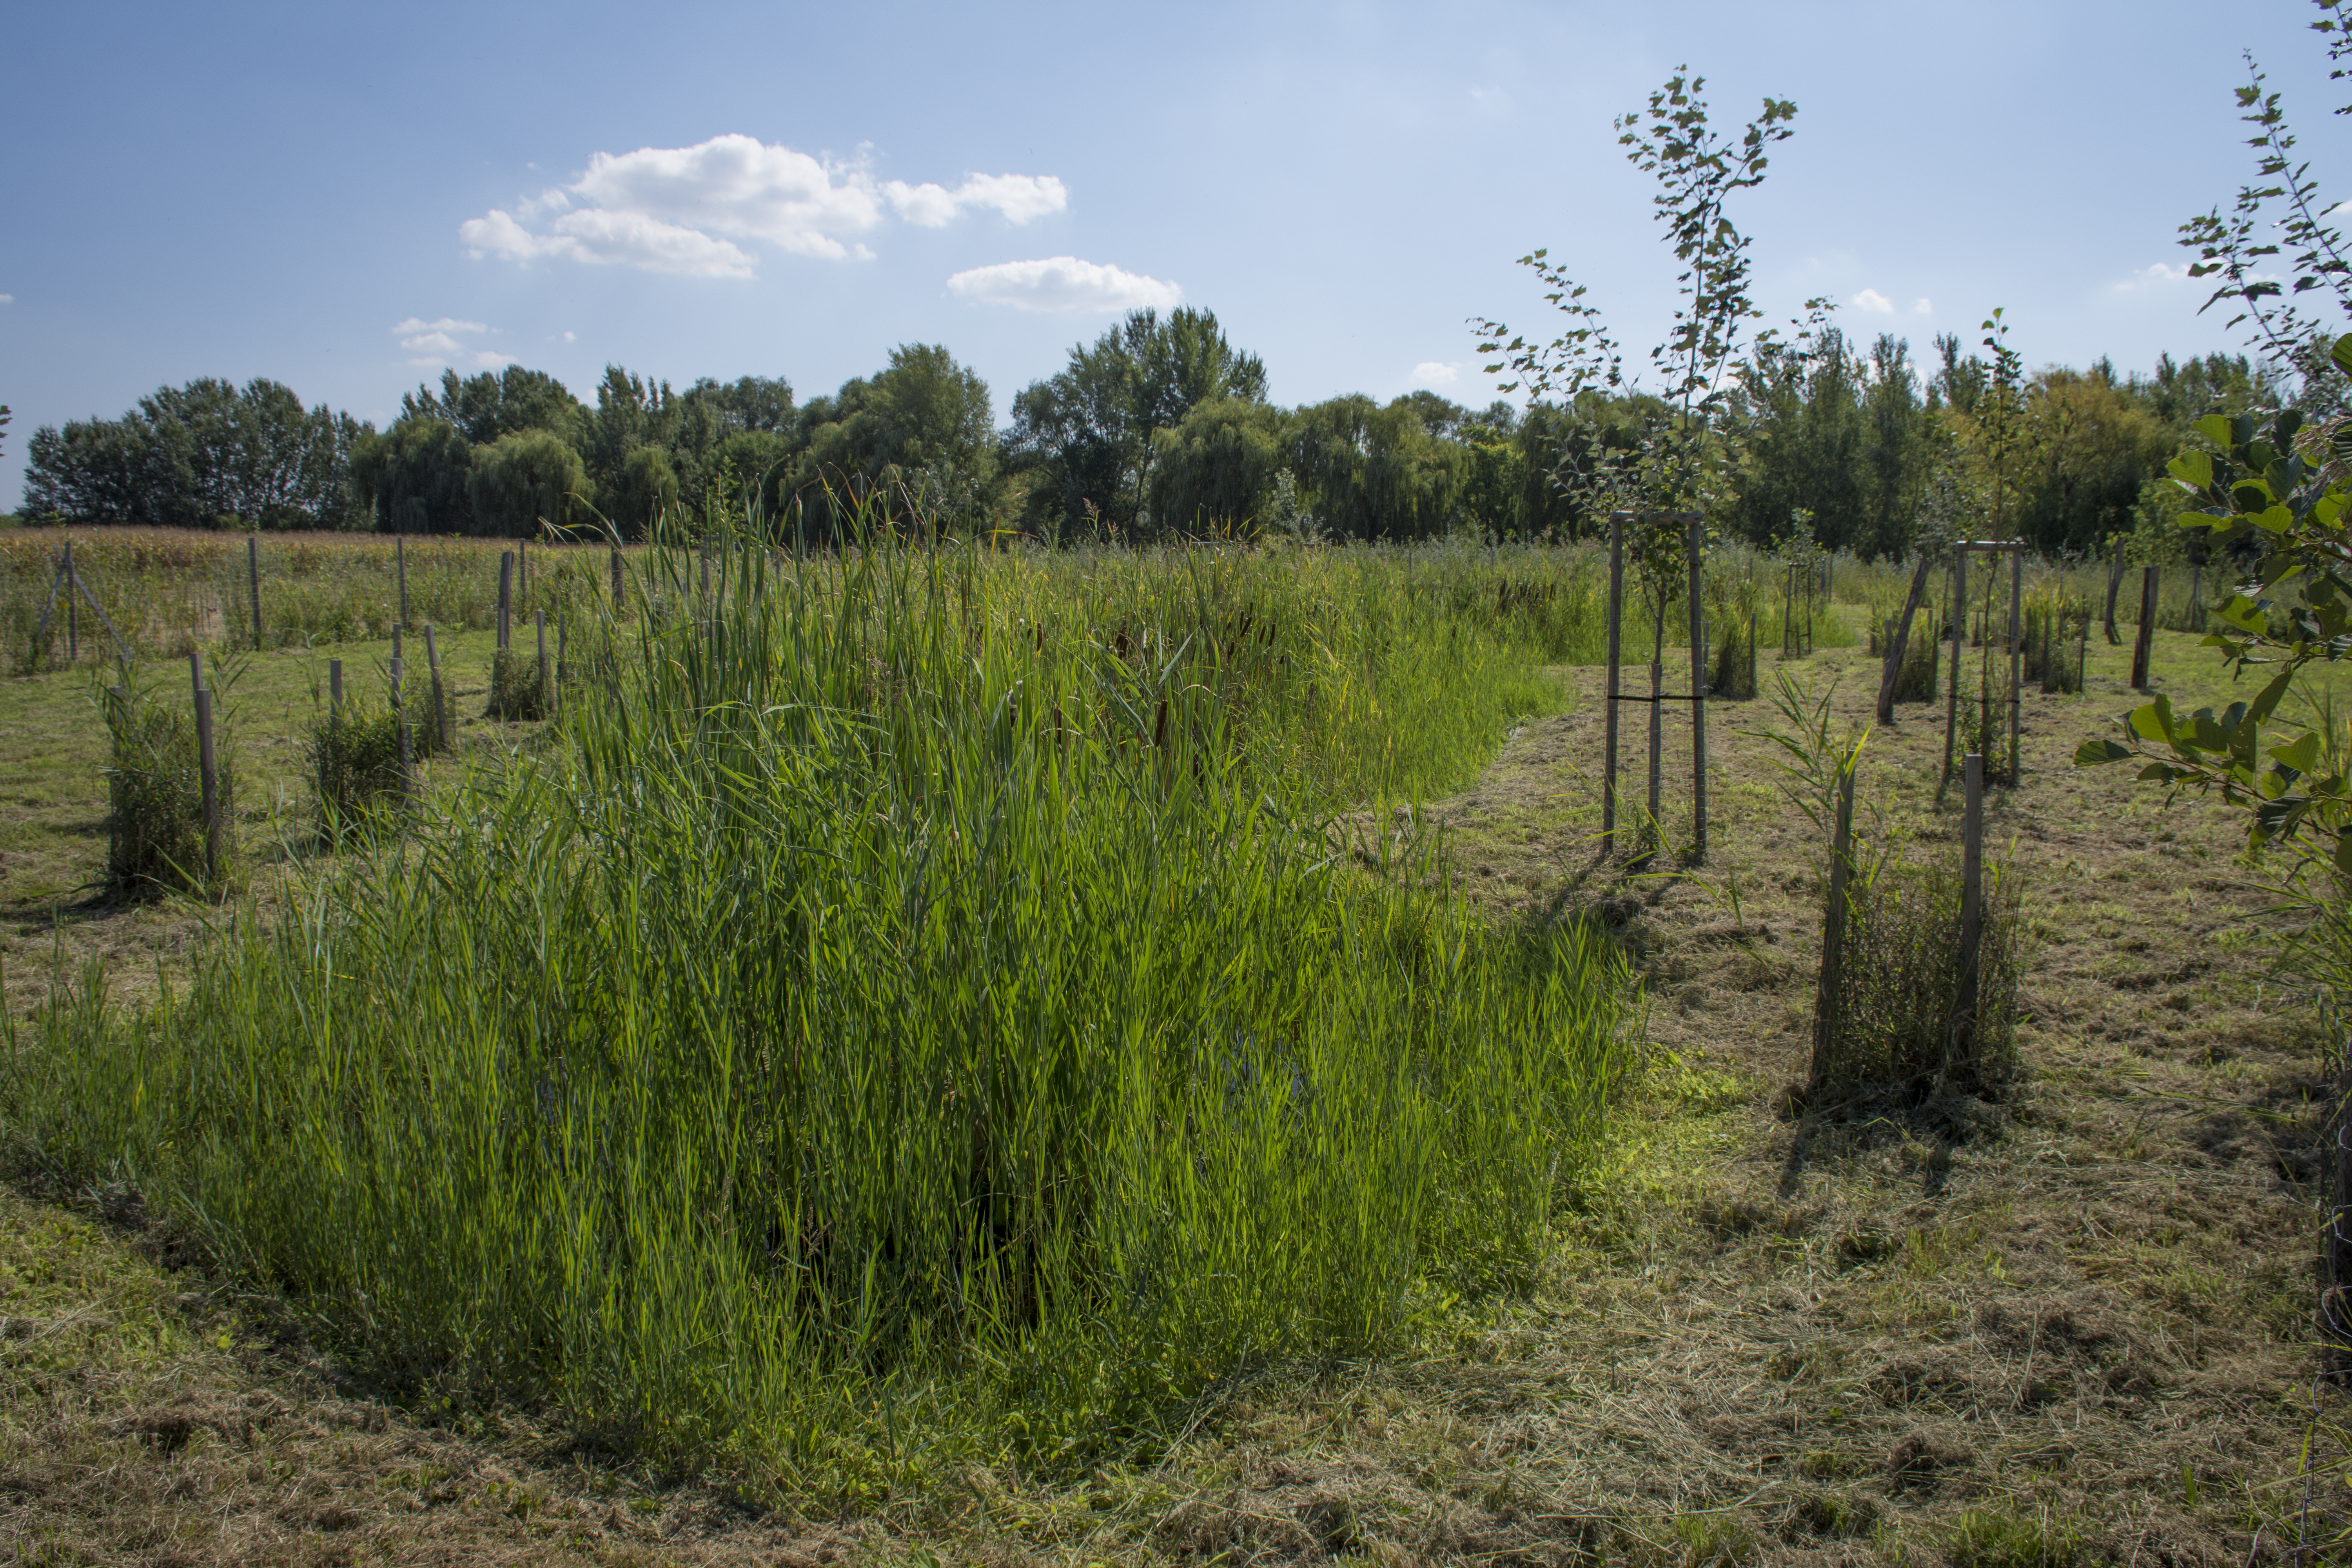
(521, 687)
(156, 825)
(357, 768)
(915, 1017)
(1917, 676)
(2057, 628)
(1898, 1028)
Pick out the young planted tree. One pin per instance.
(1670, 458)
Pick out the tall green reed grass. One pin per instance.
(916, 1008)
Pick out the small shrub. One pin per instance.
(2056, 623)
(1891, 1031)
(155, 797)
(519, 686)
(355, 764)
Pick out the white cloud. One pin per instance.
(7, 299)
(442, 341)
(1434, 373)
(2155, 276)
(1923, 307)
(1870, 301)
(684, 209)
(1063, 283)
(569, 336)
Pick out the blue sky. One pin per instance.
(344, 199)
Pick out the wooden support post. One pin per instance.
(1964, 1003)
(334, 688)
(1609, 720)
(539, 624)
(73, 640)
(1657, 729)
(2144, 642)
(1900, 640)
(562, 626)
(1830, 984)
(616, 579)
(41, 630)
(440, 705)
(2115, 585)
(522, 571)
(1952, 702)
(1697, 546)
(399, 714)
(400, 565)
(2016, 656)
(506, 595)
(206, 774)
(253, 583)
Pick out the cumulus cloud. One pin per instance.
(1436, 373)
(694, 210)
(442, 342)
(1870, 301)
(1063, 283)
(2155, 276)
(7, 299)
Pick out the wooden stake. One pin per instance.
(506, 595)
(1952, 703)
(2115, 584)
(2016, 656)
(253, 582)
(440, 708)
(41, 631)
(1657, 726)
(617, 578)
(73, 646)
(1964, 1004)
(399, 717)
(1616, 631)
(1900, 640)
(206, 773)
(334, 687)
(561, 627)
(1698, 547)
(1831, 985)
(400, 565)
(539, 623)
(2143, 643)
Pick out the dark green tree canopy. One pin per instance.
(498, 403)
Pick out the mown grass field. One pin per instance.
(2068, 1328)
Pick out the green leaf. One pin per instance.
(2215, 428)
(2301, 754)
(2153, 721)
(2096, 754)
(2244, 613)
(2344, 840)
(2266, 701)
(2342, 354)
(2157, 773)
(2194, 470)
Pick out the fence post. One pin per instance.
(1964, 1003)
(1830, 984)
(334, 688)
(2016, 654)
(440, 707)
(562, 627)
(253, 582)
(1616, 631)
(522, 570)
(400, 563)
(539, 624)
(399, 716)
(2143, 643)
(1900, 640)
(73, 648)
(506, 594)
(616, 579)
(205, 767)
(1698, 688)
(1952, 702)
(2114, 586)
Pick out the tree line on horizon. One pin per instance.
(1160, 428)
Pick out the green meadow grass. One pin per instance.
(907, 1007)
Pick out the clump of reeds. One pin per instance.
(915, 1017)
(156, 833)
(2057, 629)
(1899, 1028)
(357, 767)
(521, 686)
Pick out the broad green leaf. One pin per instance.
(2274, 519)
(2207, 732)
(2342, 354)
(2244, 613)
(2157, 773)
(2343, 853)
(2266, 700)
(2194, 470)
(2301, 754)
(2097, 753)
(2215, 428)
